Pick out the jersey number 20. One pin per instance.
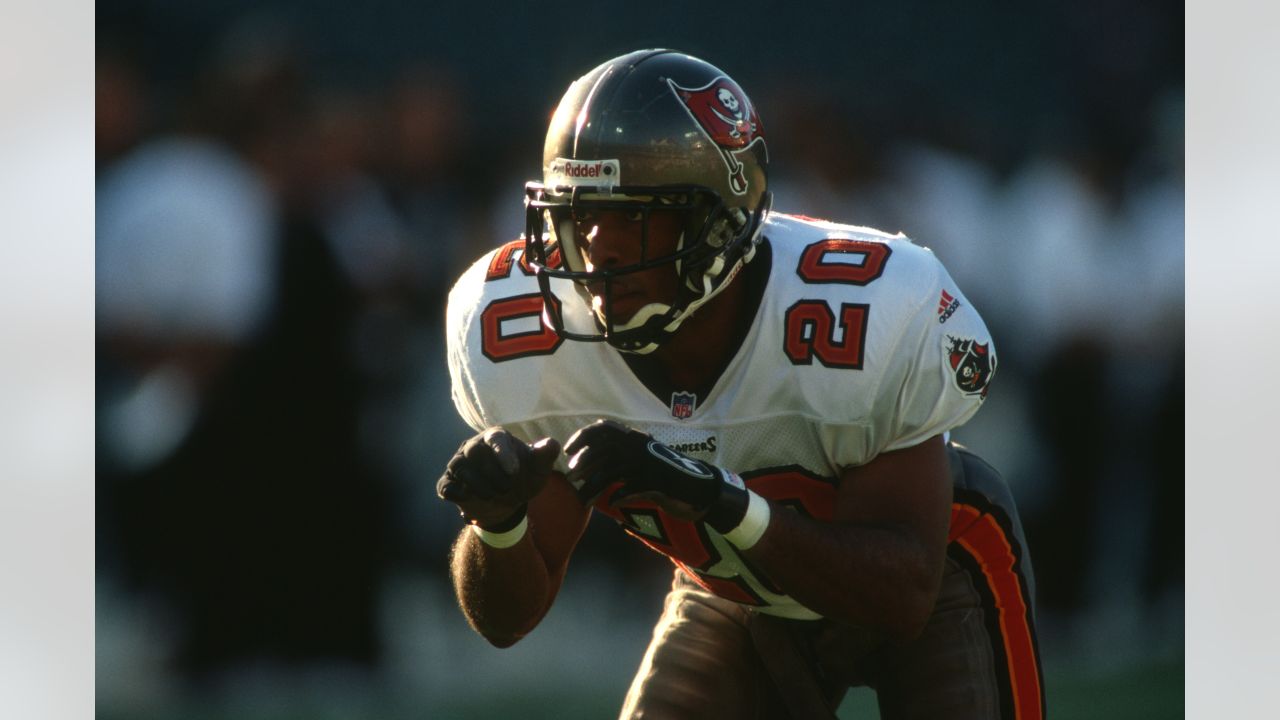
(811, 324)
(512, 327)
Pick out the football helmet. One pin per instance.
(651, 131)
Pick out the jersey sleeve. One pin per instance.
(946, 360)
(461, 324)
(498, 349)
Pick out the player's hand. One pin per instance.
(493, 476)
(606, 452)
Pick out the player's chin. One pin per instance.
(621, 308)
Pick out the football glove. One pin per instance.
(606, 452)
(493, 476)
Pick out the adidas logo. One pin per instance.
(947, 306)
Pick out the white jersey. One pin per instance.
(862, 344)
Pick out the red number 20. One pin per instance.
(496, 342)
(811, 324)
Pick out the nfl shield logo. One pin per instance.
(682, 405)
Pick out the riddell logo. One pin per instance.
(588, 170)
(564, 171)
(947, 306)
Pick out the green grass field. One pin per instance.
(1148, 692)
(1141, 693)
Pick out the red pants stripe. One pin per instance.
(988, 544)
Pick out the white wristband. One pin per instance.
(753, 524)
(502, 540)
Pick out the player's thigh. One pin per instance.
(981, 491)
(978, 656)
(949, 670)
(700, 664)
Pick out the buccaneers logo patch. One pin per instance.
(728, 118)
(973, 364)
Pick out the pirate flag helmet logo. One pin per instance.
(724, 112)
(972, 363)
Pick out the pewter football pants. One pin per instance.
(977, 657)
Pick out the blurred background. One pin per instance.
(286, 191)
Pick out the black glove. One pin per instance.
(493, 476)
(606, 452)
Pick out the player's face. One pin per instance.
(616, 239)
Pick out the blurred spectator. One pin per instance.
(231, 475)
(432, 179)
(120, 99)
(186, 265)
(831, 159)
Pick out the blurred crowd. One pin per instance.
(273, 256)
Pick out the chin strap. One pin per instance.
(654, 310)
(717, 237)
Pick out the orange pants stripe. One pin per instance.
(987, 543)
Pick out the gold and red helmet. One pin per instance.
(650, 131)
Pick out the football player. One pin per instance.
(763, 398)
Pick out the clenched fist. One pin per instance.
(493, 476)
(607, 452)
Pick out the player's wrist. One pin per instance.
(505, 524)
(738, 514)
(506, 533)
(754, 522)
(730, 506)
(503, 540)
